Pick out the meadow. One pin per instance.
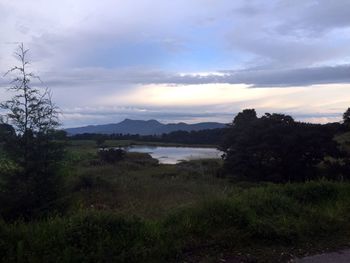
(140, 211)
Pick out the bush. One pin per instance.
(259, 217)
(89, 181)
(8, 167)
(84, 237)
(197, 168)
(111, 155)
(143, 159)
(313, 192)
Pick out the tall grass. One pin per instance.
(292, 215)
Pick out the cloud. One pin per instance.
(87, 51)
(290, 77)
(315, 17)
(124, 78)
(291, 34)
(74, 117)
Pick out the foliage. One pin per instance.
(262, 217)
(346, 118)
(111, 155)
(276, 148)
(33, 188)
(202, 137)
(6, 132)
(29, 109)
(8, 167)
(36, 184)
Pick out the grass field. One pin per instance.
(139, 185)
(140, 211)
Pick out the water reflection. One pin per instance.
(172, 155)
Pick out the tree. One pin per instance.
(34, 184)
(6, 132)
(276, 148)
(346, 117)
(245, 116)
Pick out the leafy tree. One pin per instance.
(246, 116)
(276, 148)
(346, 117)
(32, 187)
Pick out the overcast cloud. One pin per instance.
(111, 59)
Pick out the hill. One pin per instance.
(150, 127)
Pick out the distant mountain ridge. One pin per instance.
(150, 127)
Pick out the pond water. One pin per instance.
(172, 155)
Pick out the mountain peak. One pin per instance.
(126, 120)
(153, 121)
(140, 121)
(142, 127)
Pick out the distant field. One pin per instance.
(141, 187)
(90, 147)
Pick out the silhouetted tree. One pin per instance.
(32, 186)
(346, 118)
(208, 137)
(276, 148)
(246, 116)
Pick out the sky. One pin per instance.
(183, 60)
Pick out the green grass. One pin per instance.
(344, 140)
(145, 190)
(137, 185)
(269, 218)
(140, 211)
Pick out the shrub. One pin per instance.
(111, 155)
(143, 159)
(270, 217)
(89, 181)
(8, 167)
(84, 237)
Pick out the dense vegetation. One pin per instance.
(281, 190)
(276, 148)
(202, 137)
(136, 210)
(270, 222)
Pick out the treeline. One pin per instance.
(276, 148)
(203, 137)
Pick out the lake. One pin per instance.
(172, 155)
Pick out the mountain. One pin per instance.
(150, 127)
